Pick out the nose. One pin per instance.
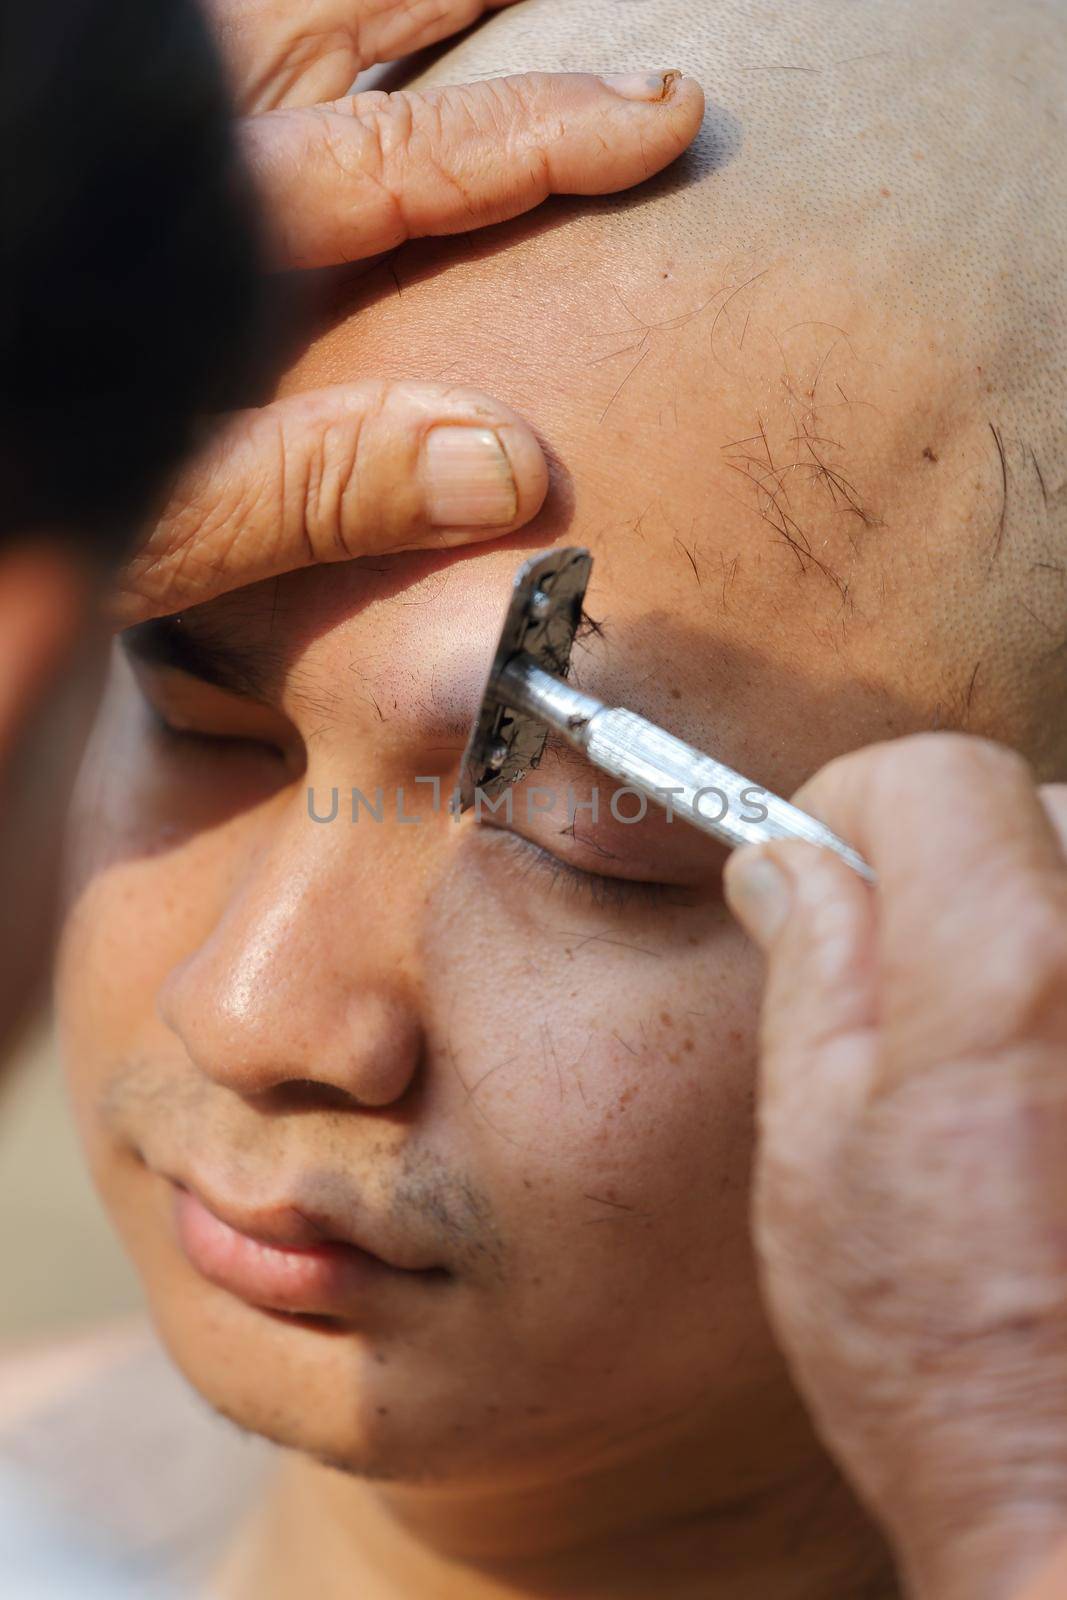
(294, 987)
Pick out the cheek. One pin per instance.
(137, 904)
(603, 1073)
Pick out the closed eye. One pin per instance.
(602, 890)
(186, 711)
(216, 743)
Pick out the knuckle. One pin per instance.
(377, 407)
(358, 142)
(445, 120)
(330, 480)
(443, 126)
(515, 113)
(391, 127)
(312, 490)
(366, 148)
(509, 101)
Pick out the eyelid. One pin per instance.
(212, 715)
(644, 841)
(604, 889)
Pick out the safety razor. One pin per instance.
(527, 695)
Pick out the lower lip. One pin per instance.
(326, 1280)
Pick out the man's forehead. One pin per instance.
(782, 468)
(731, 404)
(817, 462)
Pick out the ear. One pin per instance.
(47, 683)
(45, 592)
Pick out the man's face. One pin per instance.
(515, 1064)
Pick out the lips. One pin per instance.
(280, 1260)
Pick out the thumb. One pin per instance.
(814, 918)
(356, 470)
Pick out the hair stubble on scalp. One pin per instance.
(827, 150)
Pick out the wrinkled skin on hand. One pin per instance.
(911, 1199)
(350, 470)
(280, 54)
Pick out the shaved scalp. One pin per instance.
(877, 204)
(953, 106)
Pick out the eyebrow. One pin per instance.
(170, 642)
(179, 644)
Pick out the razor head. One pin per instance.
(542, 619)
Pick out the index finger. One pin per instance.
(358, 177)
(303, 54)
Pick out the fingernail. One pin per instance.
(759, 893)
(468, 478)
(642, 85)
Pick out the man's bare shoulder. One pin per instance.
(101, 1431)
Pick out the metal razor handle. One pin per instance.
(711, 796)
(703, 791)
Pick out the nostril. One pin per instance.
(308, 1094)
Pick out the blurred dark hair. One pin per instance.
(131, 296)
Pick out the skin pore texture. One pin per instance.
(804, 401)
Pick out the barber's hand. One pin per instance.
(348, 178)
(911, 1193)
(361, 468)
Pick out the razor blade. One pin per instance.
(527, 695)
(540, 624)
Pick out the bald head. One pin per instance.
(809, 384)
(948, 111)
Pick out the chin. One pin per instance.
(328, 1393)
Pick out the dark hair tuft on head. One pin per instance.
(131, 299)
